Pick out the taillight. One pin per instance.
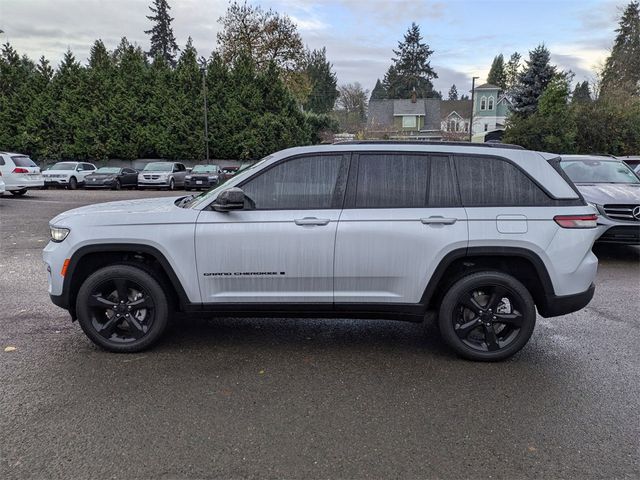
(20, 170)
(577, 221)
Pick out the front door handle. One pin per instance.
(311, 221)
(438, 221)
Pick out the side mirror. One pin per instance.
(230, 199)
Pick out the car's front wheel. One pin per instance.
(487, 316)
(122, 308)
(19, 193)
(73, 183)
(172, 184)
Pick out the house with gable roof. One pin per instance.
(491, 107)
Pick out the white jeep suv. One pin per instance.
(67, 174)
(482, 234)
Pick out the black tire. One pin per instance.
(73, 183)
(187, 189)
(115, 324)
(45, 187)
(18, 193)
(117, 185)
(477, 322)
(172, 184)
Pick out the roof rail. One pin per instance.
(429, 142)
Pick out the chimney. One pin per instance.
(414, 96)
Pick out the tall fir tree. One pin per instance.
(581, 93)
(453, 92)
(533, 80)
(511, 73)
(411, 69)
(163, 43)
(621, 74)
(497, 75)
(378, 92)
(323, 80)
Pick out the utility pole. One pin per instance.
(473, 92)
(203, 68)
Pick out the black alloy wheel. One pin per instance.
(117, 185)
(122, 308)
(487, 316)
(73, 183)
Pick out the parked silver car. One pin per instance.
(168, 175)
(614, 189)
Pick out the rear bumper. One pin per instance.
(554, 305)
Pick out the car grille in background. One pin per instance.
(54, 175)
(151, 177)
(204, 179)
(621, 212)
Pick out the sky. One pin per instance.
(359, 35)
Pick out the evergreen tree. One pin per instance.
(497, 74)
(323, 80)
(411, 70)
(163, 43)
(453, 92)
(581, 92)
(622, 69)
(378, 92)
(511, 72)
(533, 80)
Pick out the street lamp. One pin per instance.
(473, 91)
(203, 69)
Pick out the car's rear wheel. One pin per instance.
(19, 193)
(487, 316)
(122, 308)
(73, 183)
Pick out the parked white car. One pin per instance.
(67, 174)
(19, 173)
(481, 234)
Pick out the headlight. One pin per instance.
(213, 177)
(187, 177)
(58, 234)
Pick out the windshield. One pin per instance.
(158, 167)
(205, 169)
(204, 197)
(63, 166)
(107, 170)
(598, 171)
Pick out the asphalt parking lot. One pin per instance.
(300, 398)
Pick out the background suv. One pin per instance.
(19, 173)
(67, 174)
(481, 234)
(614, 189)
(162, 175)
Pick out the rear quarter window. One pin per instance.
(490, 181)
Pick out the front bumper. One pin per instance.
(621, 234)
(200, 183)
(555, 305)
(105, 184)
(52, 182)
(153, 183)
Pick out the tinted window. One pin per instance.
(298, 184)
(392, 181)
(88, 166)
(492, 181)
(23, 162)
(442, 183)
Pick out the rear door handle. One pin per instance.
(311, 221)
(438, 221)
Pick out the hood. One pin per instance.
(150, 208)
(606, 193)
